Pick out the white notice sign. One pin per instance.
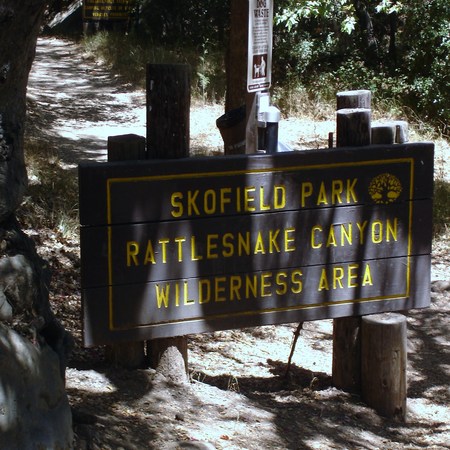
(260, 26)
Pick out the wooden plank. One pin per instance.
(125, 254)
(145, 320)
(132, 185)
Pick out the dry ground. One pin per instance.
(238, 396)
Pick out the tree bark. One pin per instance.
(236, 61)
(19, 27)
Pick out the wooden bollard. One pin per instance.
(353, 127)
(353, 99)
(383, 364)
(383, 133)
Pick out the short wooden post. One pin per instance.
(346, 368)
(168, 109)
(126, 147)
(383, 133)
(383, 368)
(353, 99)
(130, 355)
(353, 127)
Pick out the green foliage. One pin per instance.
(129, 55)
(399, 50)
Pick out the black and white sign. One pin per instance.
(259, 65)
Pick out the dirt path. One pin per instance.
(238, 397)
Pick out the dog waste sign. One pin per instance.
(177, 247)
(259, 65)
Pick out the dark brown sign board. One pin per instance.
(201, 244)
(107, 9)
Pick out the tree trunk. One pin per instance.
(25, 313)
(19, 27)
(236, 62)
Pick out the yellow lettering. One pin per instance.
(266, 284)
(132, 252)
(162, 295)
(235, 286)
(175, 200)
(164, 243)
(244, 243)
(251, 286)
(280, 280)
(149, 254)
(209, 201)
(391, 230)
(249, 198)
(352, 275)
(331, 241)
(224, 199)
(211, 246)
(279, 197)
(337, 187)
(204, 291)
(323, 283)
(315, 229)
(338, 274)
(179, 241)
(194, 255)
(289, 241)
(227, 243)
(367, 277)
(307, 190)
(219, 289)
(346, 234)
(361, 228)
(262, 206)
(322, 197)
(273, 244)
(296, 280)
(259, 246)
(377, 232)
(187, 300)
(351, 194)
(191, 201)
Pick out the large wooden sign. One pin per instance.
(107, 9)
(176, 247)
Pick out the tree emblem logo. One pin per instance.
(385, 188)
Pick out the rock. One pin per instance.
(34, 409)
(440, 286)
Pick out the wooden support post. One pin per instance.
(168, 109)
(130, 355)
(346, 371)
(383, 368)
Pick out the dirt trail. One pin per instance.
(238, 397)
